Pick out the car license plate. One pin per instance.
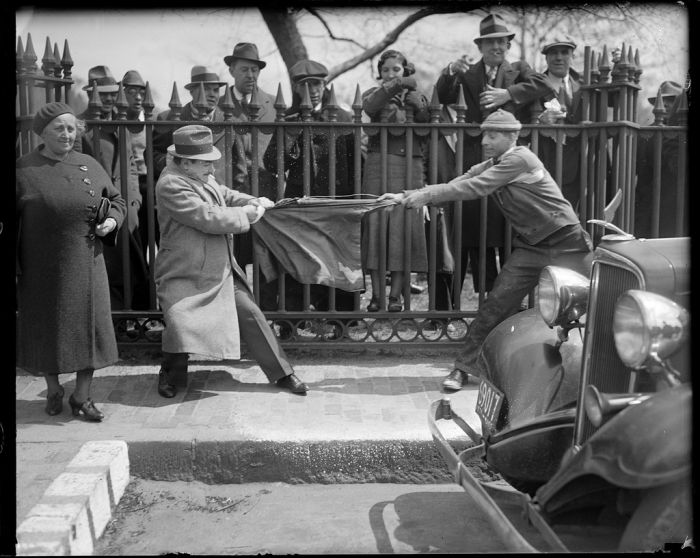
(488, 402)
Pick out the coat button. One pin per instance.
(87, 181)
(92, 193)
(91, 236)
(83, 168)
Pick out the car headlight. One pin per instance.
(562, 295)
(648, 325)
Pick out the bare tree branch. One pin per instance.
(390, 38)
(318, 16)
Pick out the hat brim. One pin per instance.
(213, 155)
(230, 58)
(310, 78)
(196, 83)
(495, 36)
(652, 100)
(546, 48)
(502, 127)
(103, 88)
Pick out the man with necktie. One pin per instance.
(490, 83)
(565, 86)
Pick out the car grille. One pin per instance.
(601, 365)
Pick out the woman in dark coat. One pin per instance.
(388, 103)
(64, 320)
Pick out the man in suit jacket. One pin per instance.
(244, 65)
(565, 85)
(107, 153)
(489, 84)
(205, 109)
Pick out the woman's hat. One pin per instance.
(493, 27)
(47, 113)
(104, 78)
(133, 79)
(245, 51)
(203, 74)
(194, 142)
(307, 69)
(667, 89)
(501, 121)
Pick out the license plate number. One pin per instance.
(488, 402)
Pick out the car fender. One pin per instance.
(521, 357)
(643, 446)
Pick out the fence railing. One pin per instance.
(610, 150)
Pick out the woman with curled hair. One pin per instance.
(66, 208)
(390, 102)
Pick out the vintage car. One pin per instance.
(585, 402)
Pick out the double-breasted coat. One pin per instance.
(195, 266)
(64, 320)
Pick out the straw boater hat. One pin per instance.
(133, 79)
(104, 78)
(493, 27)
(245, 51)
(194, 142)
(501, 121)
(203, 74)
(667, 89)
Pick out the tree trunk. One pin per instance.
(283, 27)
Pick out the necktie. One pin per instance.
(492, 75)
(564, 96)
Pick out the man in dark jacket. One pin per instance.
(565, 84)
(547, 229)
(311, 75)
(490, 83)
(107, 153)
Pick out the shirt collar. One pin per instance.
(239, 96)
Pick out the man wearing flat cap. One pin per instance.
(309, 75)
(547, 230)
(565, 87)
(204, 88)
(109, 157)
(208, 307)
(490, 83)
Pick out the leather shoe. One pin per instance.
(54, 403)
(454, 380)
(87, 409)
(165, 388)
(293, 384)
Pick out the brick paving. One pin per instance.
(351, 399)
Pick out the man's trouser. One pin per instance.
(569, 247)
(260, 340)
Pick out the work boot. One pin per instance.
(165, 388)
(455, 380)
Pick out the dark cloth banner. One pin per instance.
(315, 240)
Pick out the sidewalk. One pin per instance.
(363, 420)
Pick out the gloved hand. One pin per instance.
(262, 201)
(415, 99)
(408, 83)
(106, 227)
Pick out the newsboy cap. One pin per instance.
(501, 121)
(194, 142)
(493, 27)
(245, 51)
(133, 79)
(203, 74)
(566, 41)
(47, 113)
(104, 78)
(307, 69)
(667, 89)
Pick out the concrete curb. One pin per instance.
(76, 507)
(322, 462)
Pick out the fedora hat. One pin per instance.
(667, 89)
(501, 121)
(104, 78)
(133, 79)
(567, 42)
(307, 69)
(245, 51)
(203, 74)
(493, 27)
(194, 142)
